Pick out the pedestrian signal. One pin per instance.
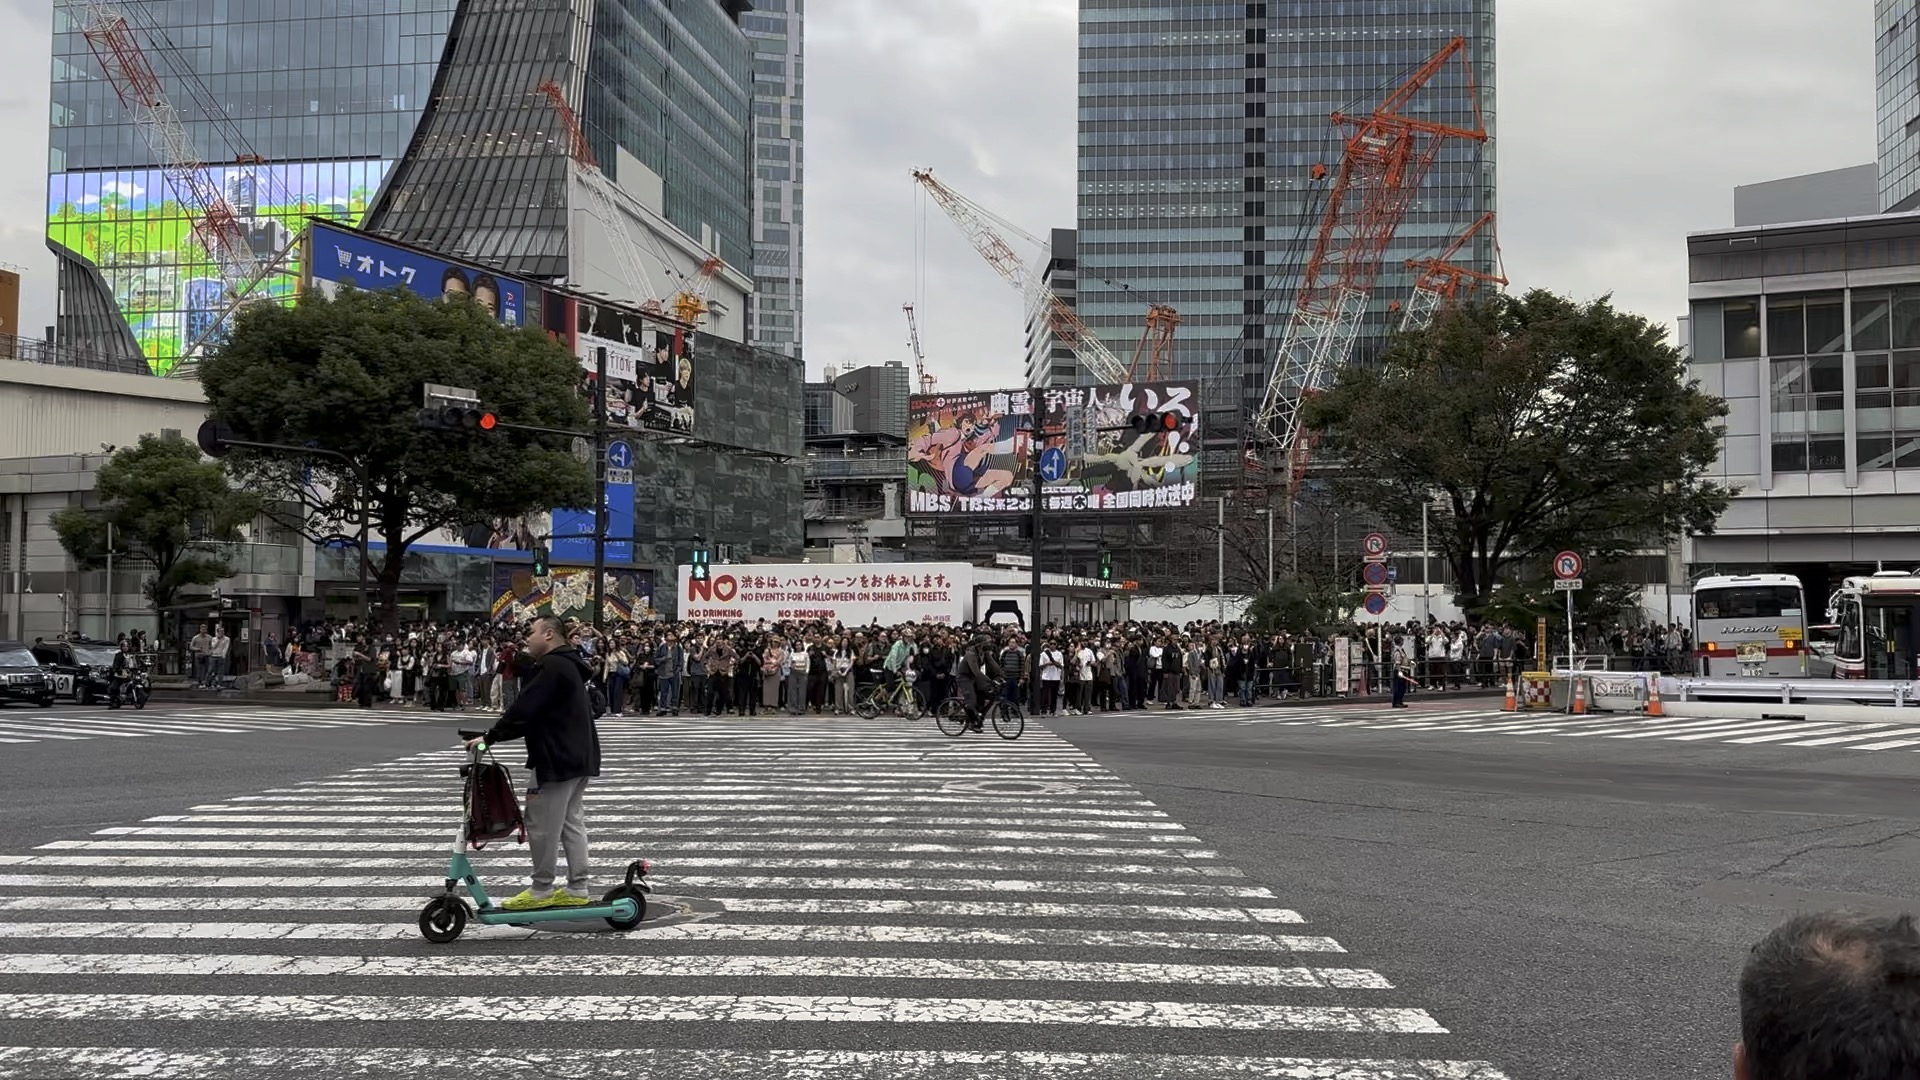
(698, 571)
(539, 560)
(1106, 566)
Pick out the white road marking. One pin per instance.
(327, 1063)
(296, 861)
(1802, 730)
(450, 811)
(344, 881)
(1890, 745)
(515, 968)
(710, 1009)
(599, 817)
(958, 838)
(1178, 855)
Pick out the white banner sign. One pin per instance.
(856, 594)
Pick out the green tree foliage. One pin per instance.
(345, 375)
(1302, 607)
(1529, 424)
(169, 508)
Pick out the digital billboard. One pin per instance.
(519, 596)
(338, 257)
(131, 224)
(970, 453)
(650, 366)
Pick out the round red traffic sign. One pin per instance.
(1374, 543)
(1376, 604)
(1567, 565)
(1374, 573)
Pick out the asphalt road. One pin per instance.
(230, 893)
(1570, 906)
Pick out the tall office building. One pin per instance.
(1049, 359)
(1896, 65)
(1198, 136)
(419, 120)
(779, 218)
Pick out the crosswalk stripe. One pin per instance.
(427, 863)
(1797, 731)
(710, 1009)
(930, 821)
(1751, 728)
(1896, 743)
(329, 1063)
(958, 838)
(1175, 855)
(691, 881)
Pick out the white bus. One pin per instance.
(1750, 624)
(1876, 620)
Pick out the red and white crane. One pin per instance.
(1443, 281)
(1388, 154)
(921, 376)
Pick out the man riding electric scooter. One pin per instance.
(554, 715)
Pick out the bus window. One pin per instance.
(1749, 602)
(1850, 646)
(1890, 635)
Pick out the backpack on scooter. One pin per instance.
(493, 810)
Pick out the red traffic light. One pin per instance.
(1149, 423)
(488, 421)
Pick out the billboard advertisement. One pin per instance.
(131, 224)
(650, 366)
(338, 257)
(854, 594)
(970, 453)
(519, 596)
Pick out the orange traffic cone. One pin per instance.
(1653, 697)
(1511, 705)
(1579, 695)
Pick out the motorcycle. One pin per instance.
(135, 690)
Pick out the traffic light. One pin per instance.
(698, 571)
(1149, 423)
(1106, 566)
(457, 418)
(539, 560)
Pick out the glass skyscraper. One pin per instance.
(779, 90)
(417, 119)
(1896, 64)
(1200, 125)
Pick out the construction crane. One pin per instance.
(1156, 344)
(1443, 282)
(216, 224)
(690, 303)
(925, 380)
(601, 204)
(979, 225)
(1387, 156)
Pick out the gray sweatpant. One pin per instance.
(556, 816)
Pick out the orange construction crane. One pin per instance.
(1444, 282)
(925, 380)
(1387, 156)
(1155, 344)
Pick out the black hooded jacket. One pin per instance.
(553, 715)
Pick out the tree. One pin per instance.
(1527, 425)
(169, 508)
(344, 374)
(1306, 606)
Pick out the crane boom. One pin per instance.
(984, 230)
(600, 201)
(925, 380)
(1443, 281)
(1386, 158)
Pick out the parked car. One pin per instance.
(79, 668)
(22, 678)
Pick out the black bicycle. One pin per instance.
(1009, 719)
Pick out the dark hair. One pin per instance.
(1833, 996)
(454, 273)
(555, 623)
(492, 285)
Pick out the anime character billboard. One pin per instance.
(973, 453)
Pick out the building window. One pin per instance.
(1887, 410)
(1741, 320)
(1805, 338)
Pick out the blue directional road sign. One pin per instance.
(619, 455)
(1053, 464)
(1376, 604)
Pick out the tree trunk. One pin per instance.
(389, 587)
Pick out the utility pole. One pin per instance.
(600, 488)
(1034, 624)
(108, 636)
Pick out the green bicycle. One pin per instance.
(895, 696)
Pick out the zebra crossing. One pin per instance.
(1007, 909)
(1632, 727)
(43, 726)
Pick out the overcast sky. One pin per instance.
(1621, 127)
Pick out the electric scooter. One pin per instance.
(445, 916)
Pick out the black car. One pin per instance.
(79, 668)
(22, 678)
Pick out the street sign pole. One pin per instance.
(600, 491)
(1566, 577)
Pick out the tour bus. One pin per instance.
(1750, 624)
(1876, 619)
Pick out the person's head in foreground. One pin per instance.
(1832, 996)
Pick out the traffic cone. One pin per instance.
(1653, 696)
(1579, 695)
(1511, 705)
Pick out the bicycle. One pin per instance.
(1009, 719)
(892, 696)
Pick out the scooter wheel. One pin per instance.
(442, 919)
(639, 899)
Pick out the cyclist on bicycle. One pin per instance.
(898, 662)
(979, 676)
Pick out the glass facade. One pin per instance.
(779, 217)
(1896, 25)
(671, 83)
(296, 115)
(1199, 126)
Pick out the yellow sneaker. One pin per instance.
(527, 901)
(563, 898)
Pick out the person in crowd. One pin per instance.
(1831, 996)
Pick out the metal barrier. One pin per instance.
(1880, 692)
